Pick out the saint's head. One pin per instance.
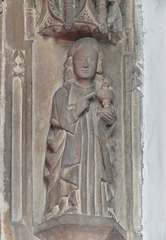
(84, 60)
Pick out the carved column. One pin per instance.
(17, 131)
(68, 14)
(29, 19)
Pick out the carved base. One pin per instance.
(75, 227)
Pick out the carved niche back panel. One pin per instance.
(79, 158)
(54, 73)
(76, 131)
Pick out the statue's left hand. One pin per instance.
(107, 116)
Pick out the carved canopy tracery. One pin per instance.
(102, 19)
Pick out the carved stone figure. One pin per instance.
(114, 17)
(78, 169)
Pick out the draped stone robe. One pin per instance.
(78, 168)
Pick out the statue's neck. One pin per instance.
(85, 83)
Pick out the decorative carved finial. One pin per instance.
(95, 18)
(18, 65)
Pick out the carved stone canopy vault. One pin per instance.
(71, 19)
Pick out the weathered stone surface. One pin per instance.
(70, 142)
(78, 170)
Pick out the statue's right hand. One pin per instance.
(83, 104)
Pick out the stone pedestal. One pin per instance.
(79, 228)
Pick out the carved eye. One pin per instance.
(111, 3)
(80, 59)
(90, 59)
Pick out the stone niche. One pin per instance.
(73, 158)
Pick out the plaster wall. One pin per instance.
(154, 172)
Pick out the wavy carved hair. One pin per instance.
(68, 65)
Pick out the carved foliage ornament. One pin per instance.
(87, 16)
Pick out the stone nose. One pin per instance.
(85, 63)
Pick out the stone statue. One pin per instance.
(114, 17)
(78, 164)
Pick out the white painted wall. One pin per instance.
(154, 188)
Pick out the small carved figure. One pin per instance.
(114, 17)
(78, 165)
(59, 4)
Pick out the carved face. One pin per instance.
(85, 62)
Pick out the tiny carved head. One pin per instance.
(84, 60)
